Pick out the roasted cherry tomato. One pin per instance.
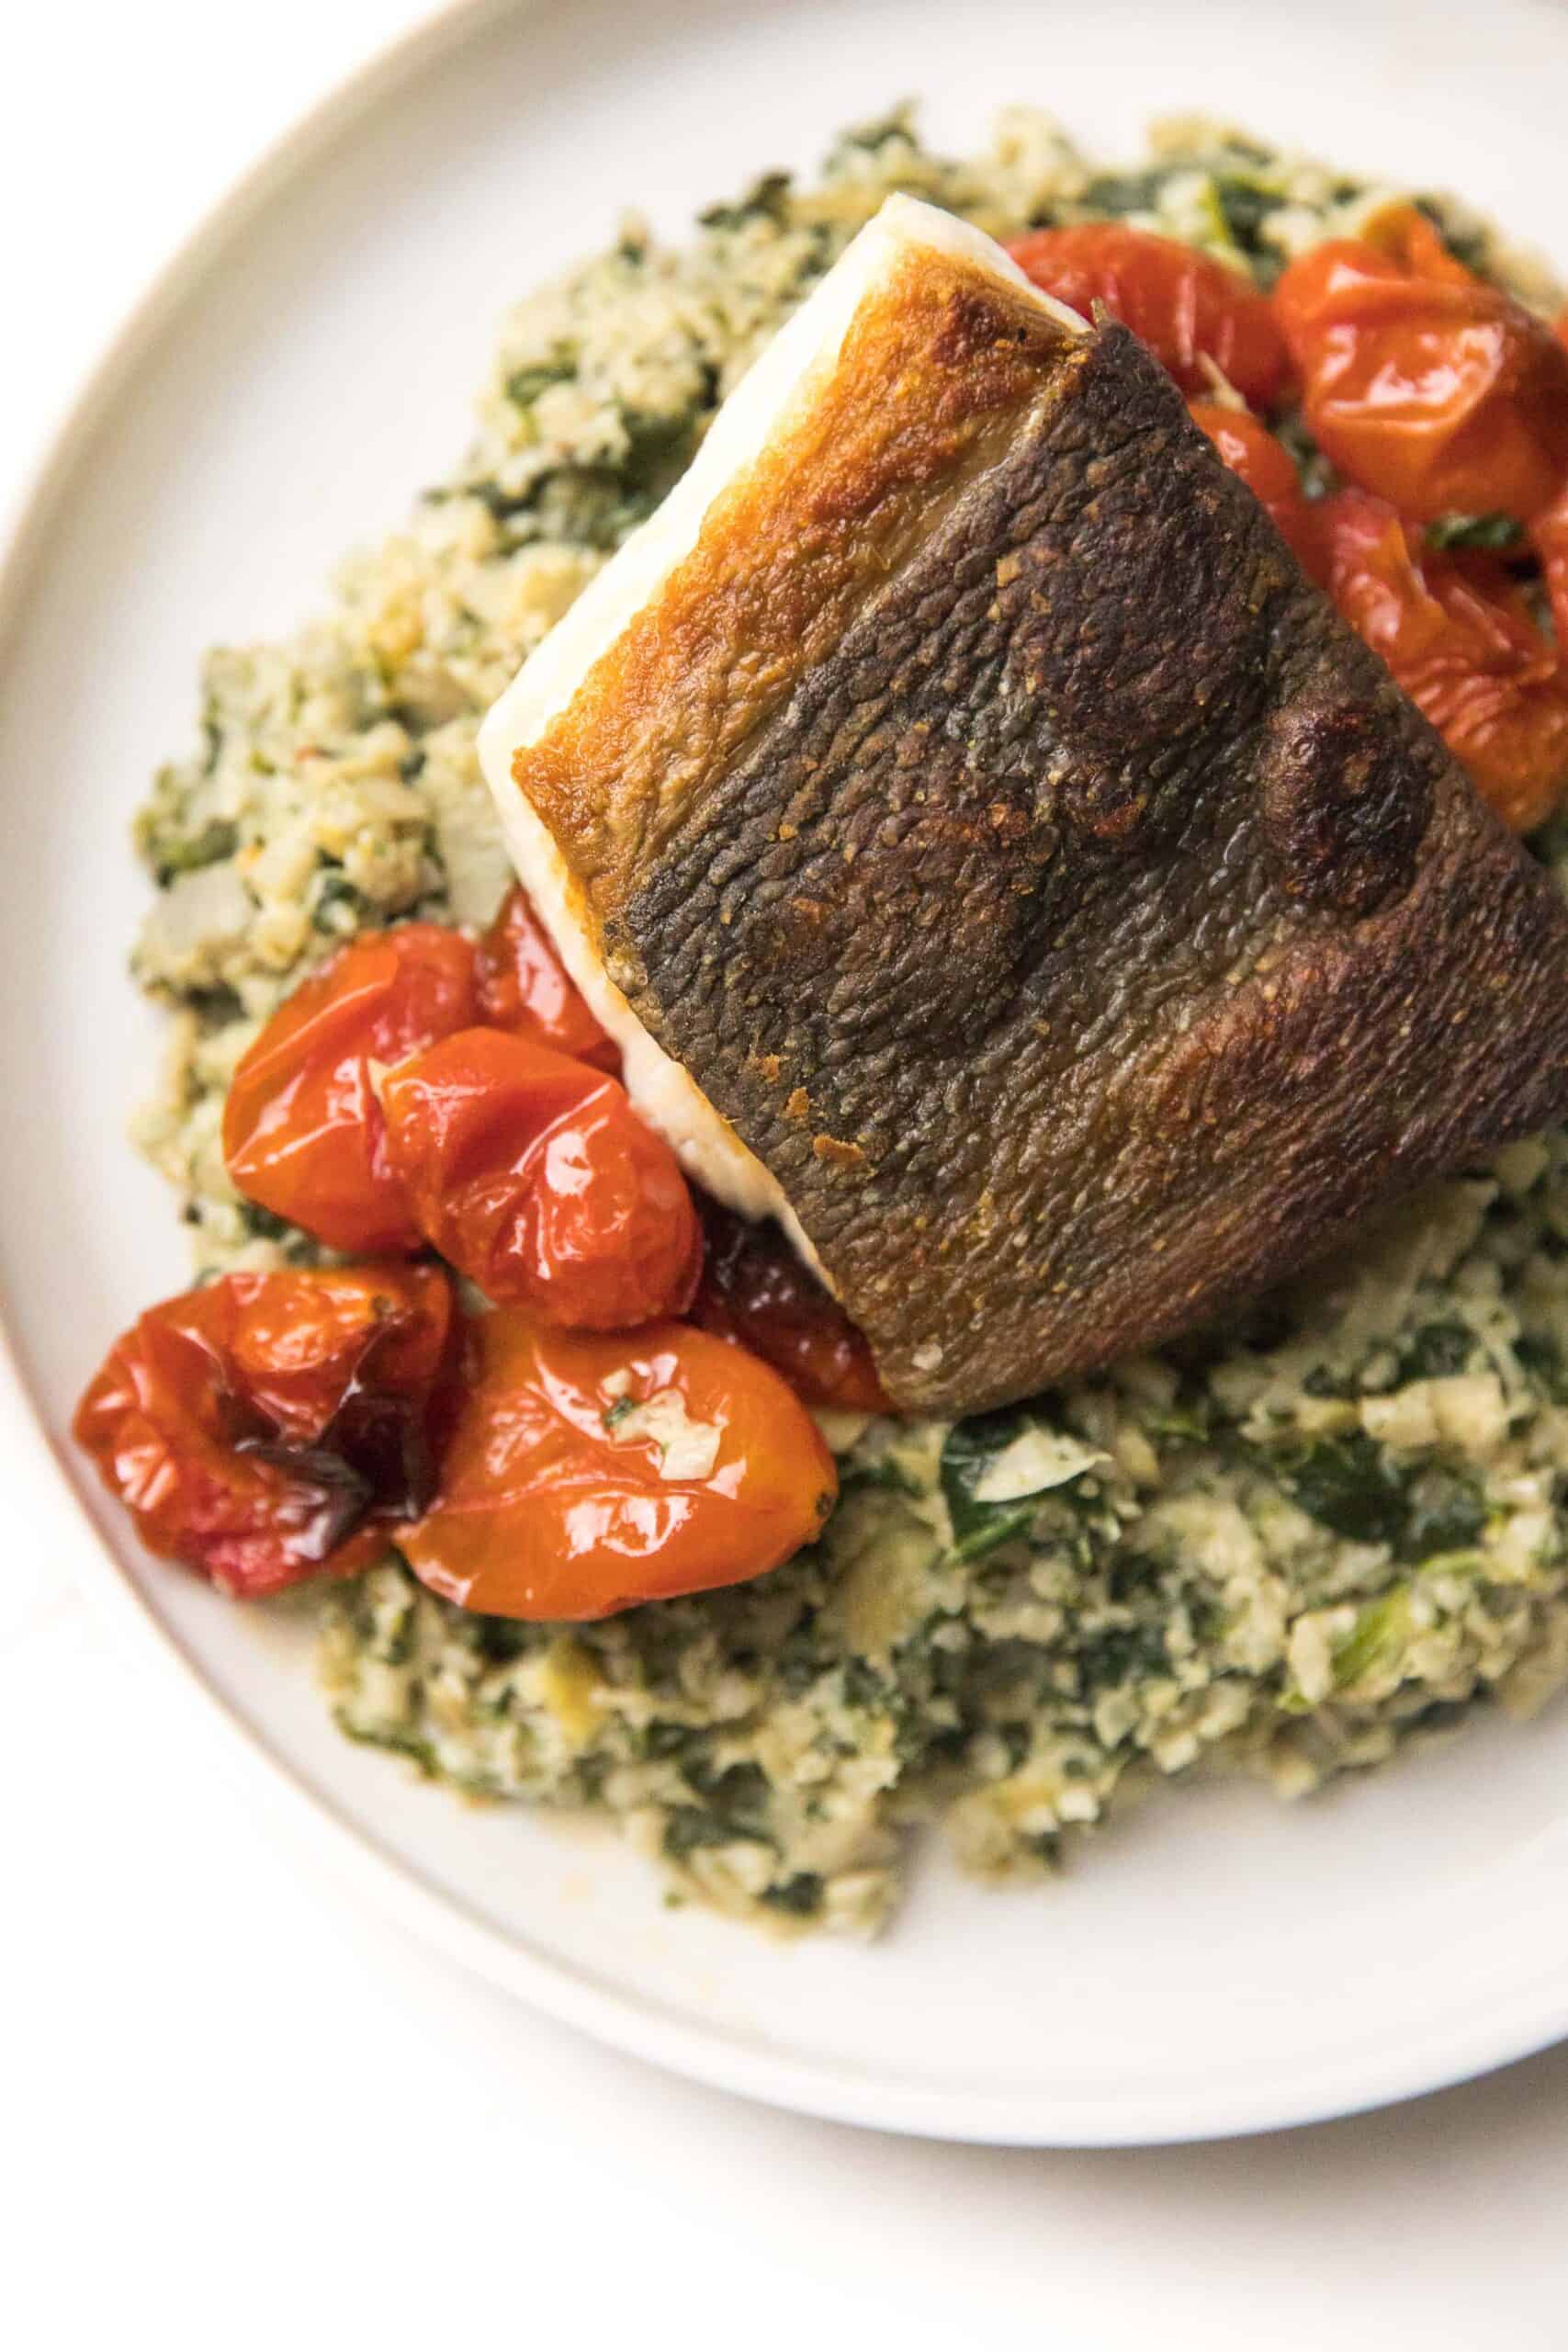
(755, 1291)
(523, 987)
(1269, 470)
(1459, 639)
(1421, 381)
(588, 1473)
(534, 1177)
(303, 1132)
(1186, 306)
(268, 1427)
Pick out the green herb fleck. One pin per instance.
(766, 199)
(1437, 1351)
(1491, 531)
(800, 1897)
(1350, 1485)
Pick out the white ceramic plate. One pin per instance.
(1218, 1963)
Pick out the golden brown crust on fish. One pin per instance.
(926, 392)
(1064, 906)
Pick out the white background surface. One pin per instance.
(244, 2111)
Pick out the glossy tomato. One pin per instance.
(523, 987)
(1421, 381)
(588, 1473)
(268, 1427)
(1460, 640)
(534, 1175)
(755, 1291)
(1186, 306)
(303, 1132)
(1269, 470)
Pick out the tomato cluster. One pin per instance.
(1442, 404)
(571, 1452)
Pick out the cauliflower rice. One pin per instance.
(1285, 1549)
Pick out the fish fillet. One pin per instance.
(995, 858)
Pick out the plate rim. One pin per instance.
(48, 1497)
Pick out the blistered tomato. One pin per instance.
(755, 1291)
(269, 1426)
(1421, 381)
(1269, 470)
(588, 1473)
(1460, 640)
(534, 1175)
(303, 1132)
(523, 987)
(1186, 306)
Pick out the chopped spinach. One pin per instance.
(1490, 531)
(1121, 1651)
(1245, 207)
(1117, 193)
(1437, 1351)
(1376, 1639)
(871, 138)
(689, 1826)
(500, 1641)
(766, 199)
(174, 854)
(335, 891)
(1447, 1515)
(1542, 1360)
(262, 1224)
(1350, 1485)
(525, 384)
(972, 1446)
(800, 1897)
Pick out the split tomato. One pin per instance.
(1185, 305)
(303, 1132)
(1421, 381)
(1460, 638)
(756, 1291)
(587, 1474)
(268, 1427)
(534, 1176)
(523, 987)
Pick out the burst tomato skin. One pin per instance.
(533, 1175)
(523, 987)
(268, 1427)
(1269, 470)
(1185, 305)
(755, 1292)
(1460, 640)
(553, 1503)
(303, 1132)
(1420, 382)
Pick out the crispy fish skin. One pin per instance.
(1067, 909)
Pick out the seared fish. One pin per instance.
(996, 858)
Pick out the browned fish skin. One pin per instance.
(1094, 932)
